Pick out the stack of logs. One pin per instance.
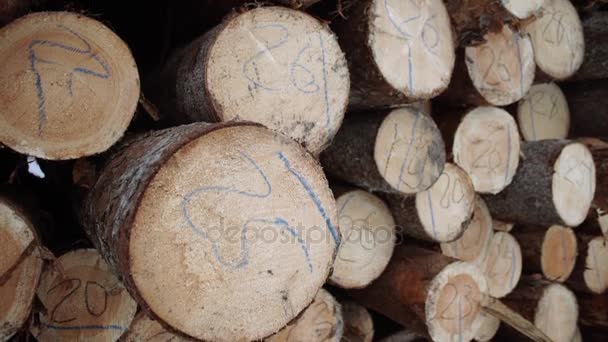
(482, 214)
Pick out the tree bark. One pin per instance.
(11, 9)
(584, 100)
(594, 311)
(595, 30)
(554, 184)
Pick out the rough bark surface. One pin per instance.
(595, 62)
(587, 102)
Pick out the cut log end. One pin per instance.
(522, 9)
(486, 146)
(418, 33)
(557, 38)
(503, 264)
(368, 239)
(573, 184)
(502, 226)
(488, 328)
(70, 62)
(261, 214)
(18, 276)
(282, 68)
(543, 113)
(596, 265)
(475, 241)
(453, 303)
(83, 300)
(144, 328)
(445, 209)
(321, 321)
(502, 68)
(409, 150)
(358, 323)
(557, 313)
(558, 253)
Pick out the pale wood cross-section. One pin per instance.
(543, 113)
(146, 329)
(502, 265)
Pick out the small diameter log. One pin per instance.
(158, 214)
(594, 311)
(473, 245)
(486, 146)
(321, 321)
(552, 252)
(440, 214)
(272, 65)
(501, 226)
(398, 151)
(595, 30)
(83, 300)
(554, 184)
(591, 271)
(543, 113)
(428, 293)
(489, 327)
(146, 329)
(473, 19)
(70, 86)
(398, 51)
(587, 101)
(502, 265)
(358, 323)
(368, 239)
(552, 307)
(20, 267)
(557, 38)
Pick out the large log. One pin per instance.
(441, 213)
(543, 113)
(486, 146)
(70, 86)
(396, 151)
(472, 19)
(428, 293)
(398, 51)
(557, 38)
(157, 214)
(587, 103)
(368, 239)
(272, 65)
(321, 321)
(591, 270)
(82, 300)
(554, 184)
(20, 267)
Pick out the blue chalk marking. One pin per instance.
(265, 49)
(325, 90)
(84, 327)
(432, 214)
(348, 199)
(407, 153)
(292, 77)
(313, 197)
(33, 59)
(521, 67)
(281, 222)
(508, 153)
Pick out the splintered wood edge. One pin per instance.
(368, 239)
(250, 233)
(70, 86)
(501, 226)
(282, 68)
(83, 300)
(445, 209)
(472, 246)
(16, 235)
(412, 45)
(557, 313)
(543, 113)
(557, 38)
(502, 68)
(487, 147)
(522, 9)
(573, 184)
(453, 302)
(409, 151)
(358, 323)
(143, 328)
(503, 264)
(558, 253)
(322, 320)
(596, 265)
(488, 328)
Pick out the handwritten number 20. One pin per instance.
(76, 283)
